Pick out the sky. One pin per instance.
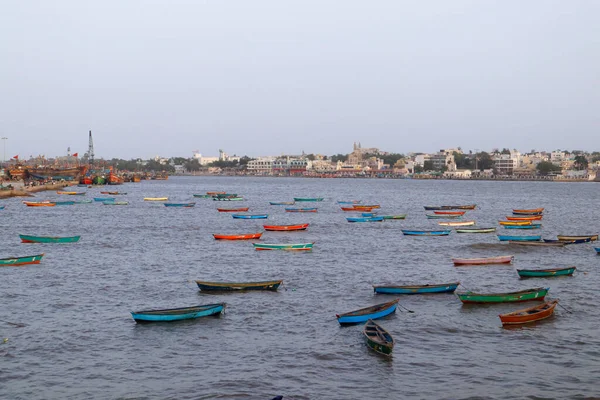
(270, 77)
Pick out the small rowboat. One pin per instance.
(103, 199)
(178, 314)
(531, 211)
(449, 212)
(88, 201)
(514, 223)
(228, 195)
(525, 218)
(429, 216)
(39, 203)
(71, 193)
(250, 216)
(483, 261)
(49, 239)
(527, 213)
(457, 223)
(365, 314)
(592, 238)
(349, 202)
(576, 241)
(64, 203)
(301, 209)
(214, 193)
(463, 207)
(416, 289)
(115, 203)
(247, 236)
(365, 219)
(356, 209)
(597, 250)
(369, 214)
(425, 233)
(531, 238)
(378, 339)
(530, 314)
(240, 209)
(2, 207)
(532, 226)
(284, 246)
(238, 286)
(156, 198)
(545, 273)
(17, 261)
(476, 230)
(282, 203)
(228, 198)
(187, 205)
(285, 228)
(556, 244)
(308, 198)
(399, 216)
(364, 207)
(114, 193)
(203, 196)
(510, 297)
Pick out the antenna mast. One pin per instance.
(91, 151)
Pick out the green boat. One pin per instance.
(378, 338)
(88, 201)
(115, 203)
(510, 297)
(476, 230)
(283, 246)
(400, 216)
(203, 196)
(49, 239)
(308, 198)
(546, 273)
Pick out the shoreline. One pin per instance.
(19, 189)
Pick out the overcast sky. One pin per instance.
(266, 77)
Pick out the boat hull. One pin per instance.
(186, 205)
(237, 237)
(530, 314)
(425, 233)
(537, 294)
(49, 239)
(297, 199)
(416, 289)
(301, 210)
(257, 216)
(476, 230)
(365, 219)
(178, 314)
(399, 216)
(592, 238)
(287, 247)
(243, 209)
(483, 261)
(506, 238)
(545, 273)
(378, 339)
(456, 223)
(238, 286)
(365, 314)
(532, 226)
(18, 261)
(285, 228)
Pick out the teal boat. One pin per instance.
(17, 261)
(510, 297)
(283, 246)
(308, 198)
(87, 201)
(443, 216)
(532, 226)
(115, 203)
(506, 238)
(416, 289)
(203, 196)
(49, 239)
(178, 314)
(399, 216)
(104, 199)
(545, 273)
(64, 203)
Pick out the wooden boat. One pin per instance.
(49, 239)
(68, 174)
(528, 211)
(156, 198)
(407, 232)
(542, 244)
(114, 193)
(378, 339)
(282, 203)
(214, 193)
(71, 193)
(525, 218)
(203, 196)
(514, 223)
(532, 226)
(545, 273)
(300, 209)
(239, 209)
(512, 238)
(399, 216)
(456, 223)
(365, 219)
(187, 205)
(284, 246)
(87, 201)
(483, 261)
(416, 289)
(103, 199)
(247, 236)
(39, 203)
(592, 238)
(2, 207)
(226, 195)
(178, 314)
(285, 228)
(463, 207)
(115, 203)
(530, 314)
(365, 314)
(597, 250)
(64, 203)
(523, 295)
(308, 198)
(449, 212)
(349, 202)
(360, 207)
(576, 241)
(369, 214)
(476, 230)
(238, 286)
(228, 198)
(356, 209)
(429, 216)
(250, 216)
(17, 261)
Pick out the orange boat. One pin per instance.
(531, 211)
(530, 314)
(363, 207)
(215, 193)
(450, 212)
(529, 218)
(233, 209)
(285, 228)
(39, 204)
(356, 209)
(513, 223)
(238, 237)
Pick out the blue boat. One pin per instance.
(365, 314)
(282, 203)
(576, 241)
(425, 233)
(532, 226)
(250, 216)
(506, 238)
(179, 204)
(64, 203)
(368, 214)
(178, 314)
(103, 199)
(364, 219)
(301, 209)
(2, 207)
(597, 249)
(416, 289)
(349, 202)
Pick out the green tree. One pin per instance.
(428, 165)
(505, 151)
(179, 160)
(484, 160)
(463, 161)
(339, 157)
(580, 162)
(595, 156)
(311, 157)
(418, 169)
(192, 165)
(546, 167)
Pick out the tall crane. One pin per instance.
(91, 151)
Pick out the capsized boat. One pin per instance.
(308, 198)
(246, 236)
(250, 216)
(592, 238)
(532, 226)
(457, 223)
(483, 260)
(545, 273)
(531, 314)
(301, 209)
(156, 198)
(435, 216)
(509, 297)
(513, 223)
(18, 261)
(49, 239)
(239, 209)
(416, 289)
(476, 230)
(285, 228)
(378, 339)
(238, 286)
(284, 246)
(178, 314)
(365, 219)
(365, 314)
(407, 232)
(525, 238)
(186, 205)
(525, 218)
(282, 203)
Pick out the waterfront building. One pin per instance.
(503, 164)
(290, 165)
(261, 166)
(444, 159)
(459, 174)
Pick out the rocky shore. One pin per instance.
(20, 190)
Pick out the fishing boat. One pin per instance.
(238, 286)
(103, 199)
(226, 195)
(156, 198)
(435, 216)
(365, 219)
(416, 289)
(71, 193)
(64, 203)
(203, 196)
(378, 339)
(239, 209)
(364, 207)
(39, 203)
(285, 228)
(250, 216)
(399, 216)
(17, 261)
(187, 205)
(300, 209)
(592, 238)
(57, 174)
(546, 273)
(483, 261)
(476, 230)
(460, 207)
(369, 214)
(407, 232)
(308, 198)
(178, 314)
(541, 244)
(531, 211)
(365, 314)
(527, 213)
(87, 201)
(228, 198)
(514, 223)
(576, 241)
(115, 203)
(449, 212)
(597, 250)
(523, 295)
(532, 226)
(512, 238)
(214, 193)
(352, 209)
(282, 203)
(114, 193)
(525, 218)
(49, 239)
(284, 246)
(531, 314)
(349, 202)
(247, 236)
(456, 223)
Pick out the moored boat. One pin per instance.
(87, 201)
(64, 203)
(282, 203)
(228, 198)
(246, 236)
(71, 193)
(365, 207)
(435, 216)
(239, 209)
(250, 216)
(449, 212)
(115, 203)
(592, 238)
(456, 223)
(483, 260)
(18, 261)
(545, 273)
(202, 196)
(301, 209)
(39, 203)
(525, 238)
(525, 218)
(367, 313)
(597, 250)
(285, 228)
(509, 297)
(114, 193)
(527, 213)
(576, 241)
(514, 223)
(178, 314)
(531, 211)
(186, 205)
(416, 289)
(238, 286)
(284, 246)
(378, 339)
(214, 193)
(476, 230)
(531, 314)
(540, 244)
(49, 239)
(349, 202)
(308, 198)
(460, 207)
(532, 226)
(352, 209)
(399, 216)
(103, 199)
(156, 198)
(408, 232)
(364, 219)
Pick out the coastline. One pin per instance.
(19, 189)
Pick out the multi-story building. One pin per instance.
(261, 166)
(443, 159)
(290, 165)
(504, 164)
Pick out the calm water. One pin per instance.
(80, 341)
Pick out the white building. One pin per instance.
(261, 165)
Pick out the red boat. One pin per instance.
(114, 179)
(450, 212)
(233, 209)
(299, 227)
(365, 209)
(238, 237)
(529, 218)
(530, 314)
